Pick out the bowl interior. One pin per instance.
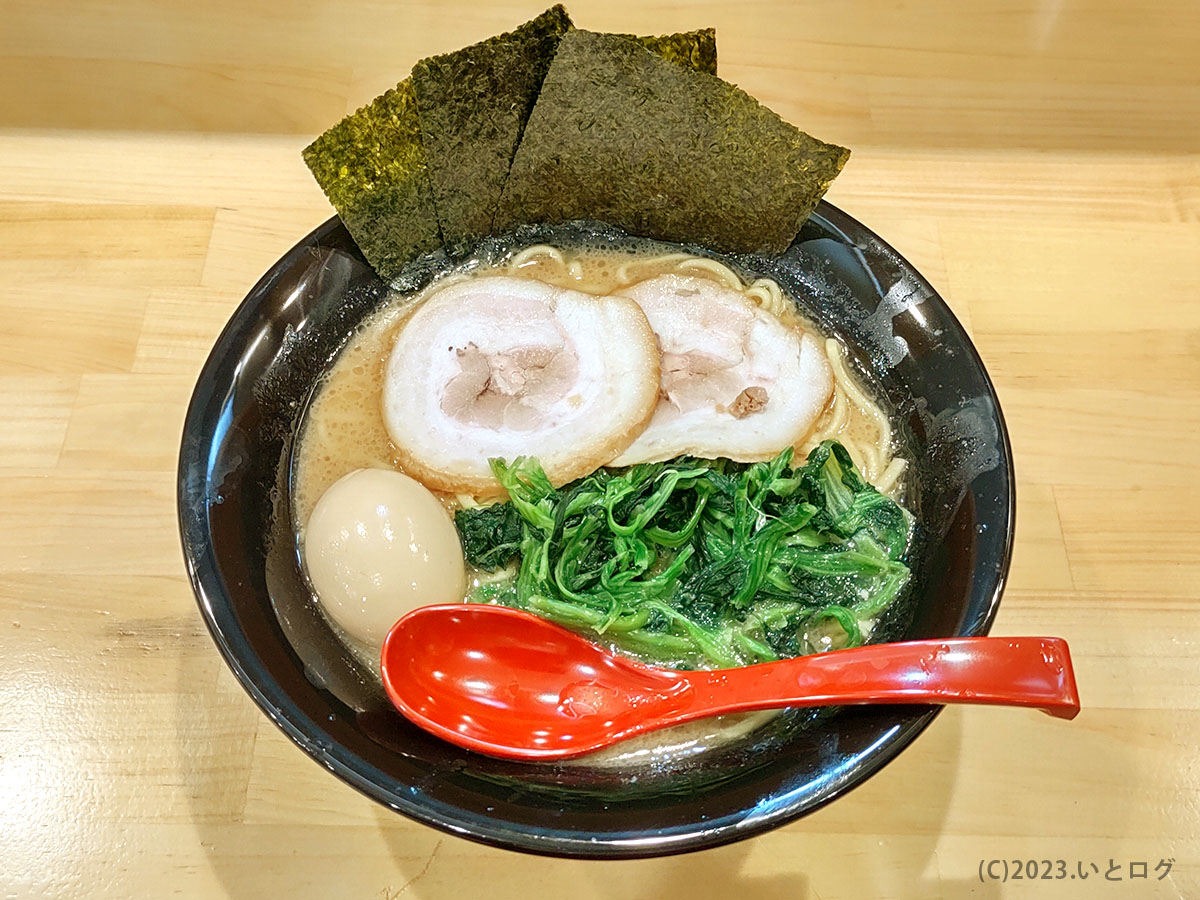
(241, 554)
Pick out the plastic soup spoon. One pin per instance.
(507, 683)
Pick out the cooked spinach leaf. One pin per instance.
(698, 562)
(491, 535)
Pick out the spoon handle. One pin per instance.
(1019, 671)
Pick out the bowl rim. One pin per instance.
(216, 610)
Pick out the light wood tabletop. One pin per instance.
(1038, 161)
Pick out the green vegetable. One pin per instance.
(372, 167)
(491, 535)
(621, 135)
(698, 562)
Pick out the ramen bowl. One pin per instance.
(239, 544)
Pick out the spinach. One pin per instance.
(697, 562)
(491, 535)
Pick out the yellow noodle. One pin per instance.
(766, 293)
(623, 275)
(841, 411)
(722, 272)
(854, 392)
(522, 257)
(453, 278)
(875, 453)
(888, 481)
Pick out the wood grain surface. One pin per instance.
(1038, 161)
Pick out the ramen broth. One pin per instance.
(343, 429)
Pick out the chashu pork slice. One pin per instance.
(498, 366)
(736, 381)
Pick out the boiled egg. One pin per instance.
(378, 544)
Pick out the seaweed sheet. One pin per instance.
(473, 107)
(621, 135)
(372, 167)
(695, 49)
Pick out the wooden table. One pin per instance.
(1037, 161)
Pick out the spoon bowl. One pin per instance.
(507, 683)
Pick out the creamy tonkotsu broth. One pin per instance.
(343, 429)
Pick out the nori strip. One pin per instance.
(371, 166)
(374, 168)
(696, 49)
(473, 107)
(621, 135)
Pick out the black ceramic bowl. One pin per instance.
(241, 555)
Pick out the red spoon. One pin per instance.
(507, 683)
